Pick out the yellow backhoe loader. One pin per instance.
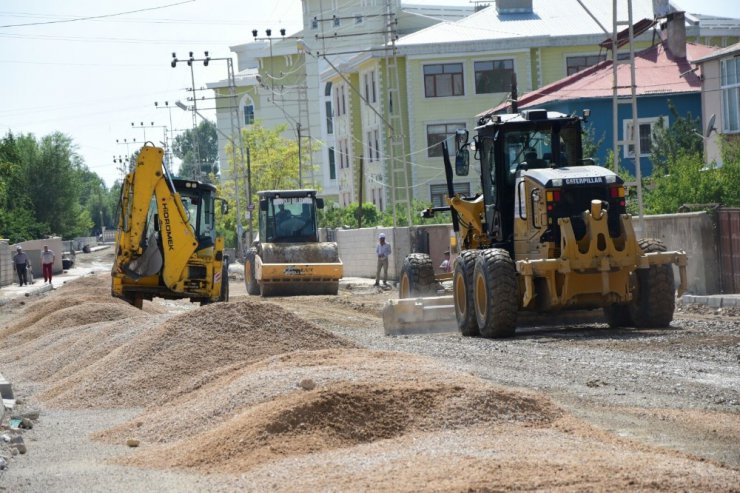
(548, 234)
(287, 257)
(166, 242)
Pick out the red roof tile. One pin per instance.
(657, 71)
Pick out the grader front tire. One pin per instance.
(495, 293)
(653, 295)
(462, 286)
(654, 301)
(417, 276)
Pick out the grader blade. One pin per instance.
(419, 316)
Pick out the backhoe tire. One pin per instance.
(495, 292)
(224, 283)
(250, 280)
(462, 290)
(417, 276)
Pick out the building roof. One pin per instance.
(548, 18)
(657, 71)
(726, 51)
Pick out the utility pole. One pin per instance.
(237, 143)
(190, 61)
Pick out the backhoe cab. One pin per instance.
(287, 258)
(549, 232)
(166, 242)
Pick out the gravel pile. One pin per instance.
(273, 378)
(343, 415)
(186, 351)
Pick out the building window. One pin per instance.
(372, 85)
(575, 64)
(329, 118)
(647, 130)
(443, 79)
(376, 134)
(437, 133)
(493, 76)
(370, 147)
(248, 114)
(730, 86)
(366, 77)
(341, 102)
(438, 193)
(336, 21)
(314, 23)
(332, 165)
(327, 89)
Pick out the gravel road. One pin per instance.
(621, 409)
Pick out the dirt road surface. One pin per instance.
(307, 394)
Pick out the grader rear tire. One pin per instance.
(462, 288)
(253, 287)
(495, 293)
(417, 276)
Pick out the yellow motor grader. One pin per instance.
(548, 233)
(287, 257)
(166, 241)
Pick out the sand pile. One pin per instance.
(346, 414)
(186, 352)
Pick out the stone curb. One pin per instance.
(32, 291)
(714, 301)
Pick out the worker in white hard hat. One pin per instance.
(383, 251)
(20, 259)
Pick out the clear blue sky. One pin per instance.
(90, 79)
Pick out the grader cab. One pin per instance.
(548, 233)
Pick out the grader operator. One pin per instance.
(166, 241)
(549, 233)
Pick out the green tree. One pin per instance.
(274, 165)
(589, 142)
(670, 143)
(687, 182)
(198, 150)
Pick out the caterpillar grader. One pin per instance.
(166, 241)
(287, 257)
(548, 234)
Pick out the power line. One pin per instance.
(76, 19)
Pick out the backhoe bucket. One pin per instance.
(419, 316)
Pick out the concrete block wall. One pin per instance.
(7, 270)
(696, 234)
(357, 250)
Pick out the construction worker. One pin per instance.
(47, 263)
(21, 265)
(383, 251)
(446, 265)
